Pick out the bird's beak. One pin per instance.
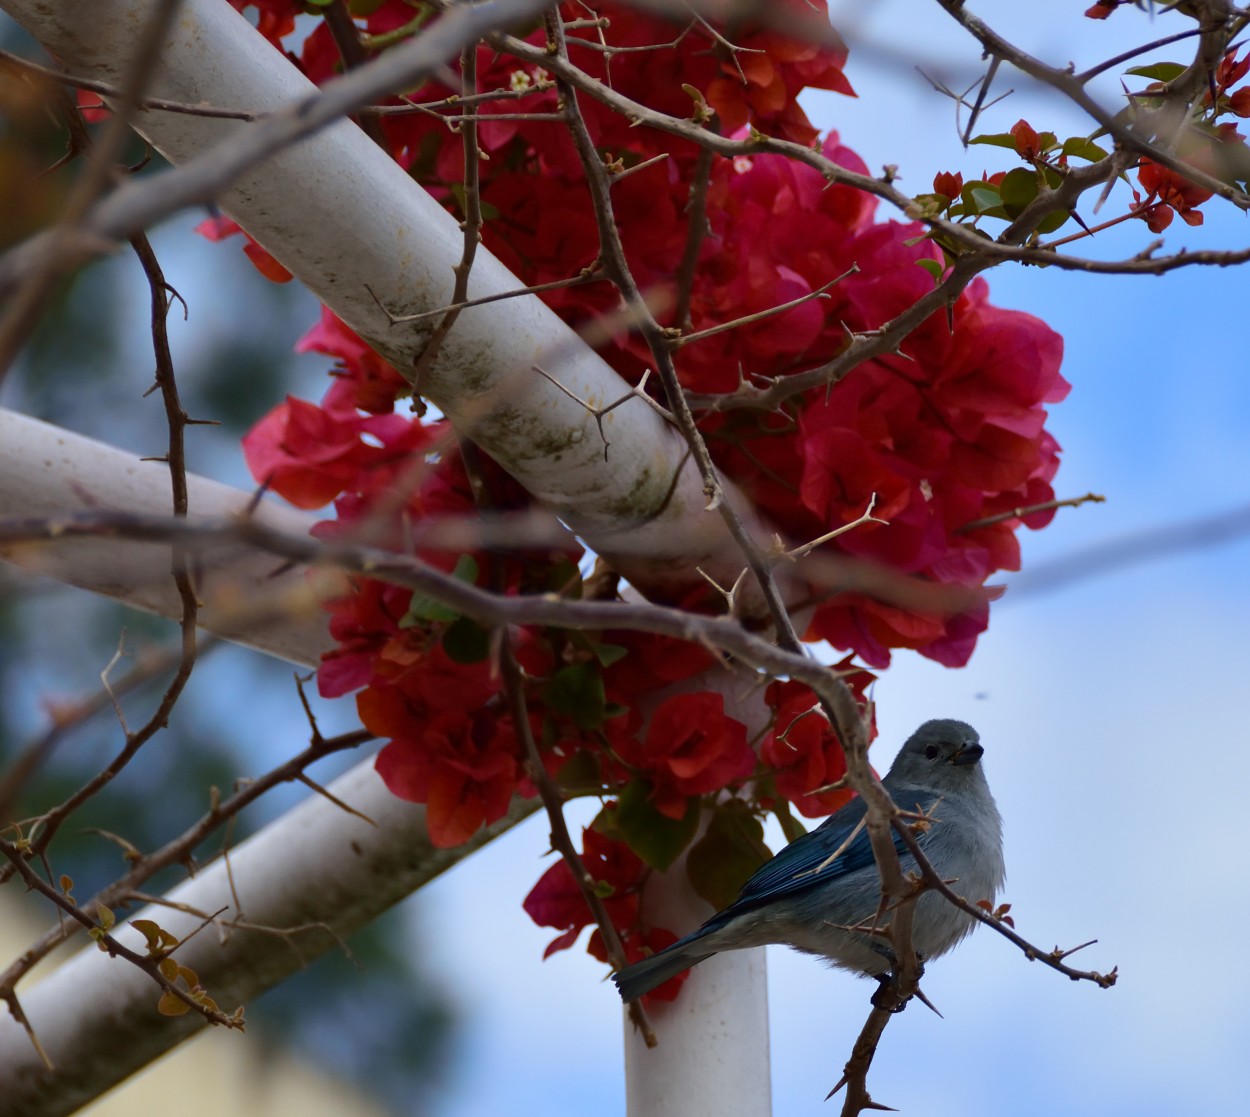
(968, 754)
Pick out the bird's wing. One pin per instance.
(839, 846)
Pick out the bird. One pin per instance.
(826, 881)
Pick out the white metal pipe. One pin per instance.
(48, 472)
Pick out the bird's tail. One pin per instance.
(641, 977)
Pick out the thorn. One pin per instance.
(919, 995)
(841, 1083)
(870, 1104)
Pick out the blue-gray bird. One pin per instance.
(804, 897)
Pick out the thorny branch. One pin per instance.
(178, 851)
(94, 221)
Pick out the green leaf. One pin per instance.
(1056, 219)
(934, 268)
(731, 849)
(998, 139)
(577, 692)
(425, 608)
(1083, 149)
(982, 197)
(608, 654)
(655, 837)
(1017, 190)
(580, 774)
(466, 641)
(1157, 71)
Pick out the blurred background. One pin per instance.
(1105, 689)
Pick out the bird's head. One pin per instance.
(943, 754)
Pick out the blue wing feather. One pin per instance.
(800, 865)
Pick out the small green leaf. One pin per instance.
(655, 837)
(983, 197)
(425, 608)
(608, 654)
(1157, 71)
(581, 773)
(565, 578)
(158, 938)
(169, 1005)
(731, 849)
(466, 641)
(105, 916)
(998, 139)
(934, 268)
(1083, 148)
(577, 692)
(1056, 219)
(1017, 190)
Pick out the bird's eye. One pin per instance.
(931, 752)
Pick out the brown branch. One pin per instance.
(561, 841)
(179, 850)
(1065, 82)
(591, 273)
(113, 92)
(471, 226)
(27, 304)
(1029, 509)
(148, 964)
(69, 715)
(612, 253)
(761, 315)
(1052, 958)
(346, 36)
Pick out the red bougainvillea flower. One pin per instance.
(463, 765)
(692, 747)
(948, 435)
(219, 228)
(803, 749)
(1172, 190)
(949, 183)
(365, 380)
(310, 455)
(556, 901)
(275, 18)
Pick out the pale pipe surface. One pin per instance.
(346, 219)
(48, 472)
(96, 1016)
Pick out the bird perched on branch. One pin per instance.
(826, 882)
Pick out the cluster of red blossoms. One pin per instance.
(1219, 149)
(947, 433)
